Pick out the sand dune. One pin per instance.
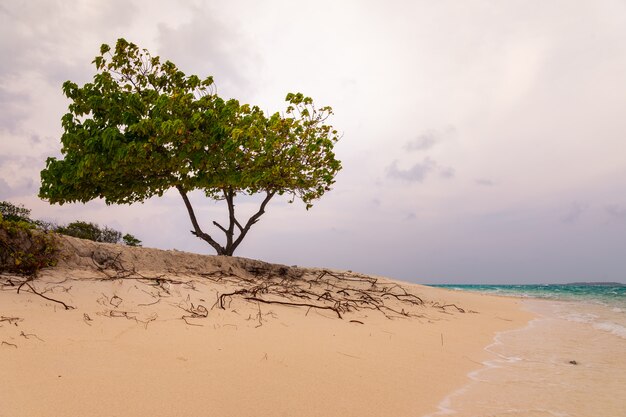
(119, 331)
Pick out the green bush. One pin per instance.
(20, 217)
(11, 212)
(90, 231)
(24, 249)
(131, 240)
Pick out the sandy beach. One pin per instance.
(119, 331)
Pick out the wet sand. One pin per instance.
(570, 361)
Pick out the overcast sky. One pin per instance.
(483, 141)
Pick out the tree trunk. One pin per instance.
(231, 242)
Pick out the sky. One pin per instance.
(482, 141)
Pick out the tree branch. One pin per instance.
(239, 226)
(252, 220)
(219, 226)
(197, 230)
(231, 242)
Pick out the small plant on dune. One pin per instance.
(25, 250)
(14, 213)
(90, 231)
(27, 245)
(131, 240)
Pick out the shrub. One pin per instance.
(131, 240)
(19, 217)
(11, 212)
(90, 231)
(23, 249)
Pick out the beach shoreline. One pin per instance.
(569, 360)
(122, 350)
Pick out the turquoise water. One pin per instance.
(611, 294)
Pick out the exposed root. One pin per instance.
(67, 307)
(29, 335)
(11, 320)
(444, 306)
(337, 292)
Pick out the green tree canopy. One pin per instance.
(143, 127)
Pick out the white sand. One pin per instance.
(125, 349)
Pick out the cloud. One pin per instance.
(573, 213)
(423, 142)
(498, 82)
(13, 108)
(429, 139)
(33, 35)
(447, 172)
(484, 182)
(616, 211)
(5, 189)
(25, 187)
(419, 171)
(19, 174)
(206, 46)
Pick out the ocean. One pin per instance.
(570, 361)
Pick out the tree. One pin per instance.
(143, 127)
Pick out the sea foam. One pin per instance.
(613, 328)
